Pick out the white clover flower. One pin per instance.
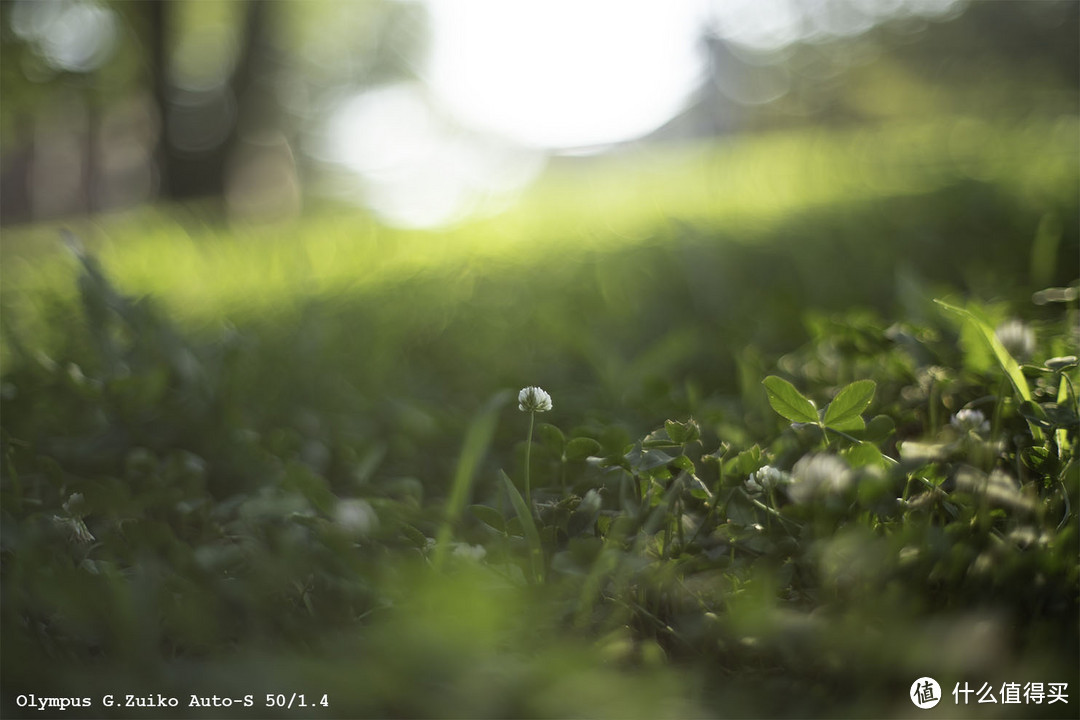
(465, 551)
(966, 420)
(533, 399)
(1017, 338)
(356, 517)
(764, 479)
(818, 475)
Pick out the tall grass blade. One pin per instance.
(532, 535)
(477, 440)
(1007, 362)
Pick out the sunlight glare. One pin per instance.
(561, 74)
(506, 83)
(414, 167)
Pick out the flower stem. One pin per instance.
(528, 452)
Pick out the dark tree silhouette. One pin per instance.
(245, 102)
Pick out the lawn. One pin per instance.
(777, 479)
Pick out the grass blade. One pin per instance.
(532, 535)
(477, 439)
(1007, 362)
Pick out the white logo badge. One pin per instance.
(925, 693)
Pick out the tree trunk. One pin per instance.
(186, 169)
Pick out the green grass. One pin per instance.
(293, 449)
(586, 205)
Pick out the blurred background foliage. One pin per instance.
(111, 105)
(306, 265)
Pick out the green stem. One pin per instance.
(528, 453)
(705, 519)
(1068, 508)
(935, 400)
(995, 426)
(824, 434)
(774, 512)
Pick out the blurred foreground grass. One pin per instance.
(228, 454)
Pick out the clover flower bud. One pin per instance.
(533, 399)
(764, 479)
(966, 420)
(1017, 338)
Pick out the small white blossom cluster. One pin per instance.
(967, 420)
(465, 551)
(533, 399)
(765, 479)
(461, 551)
(818, 476)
